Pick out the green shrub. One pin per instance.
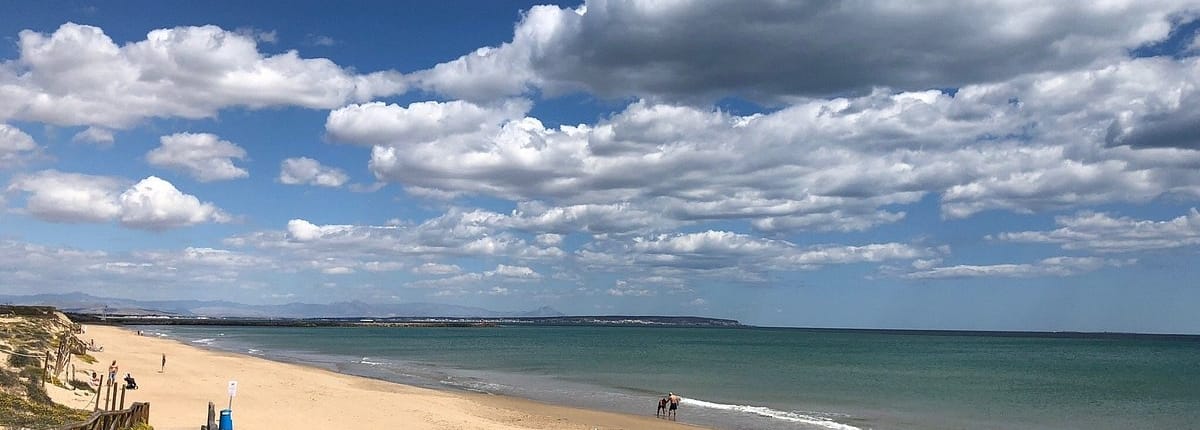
(15, 360)
(9, 379)
(16, 412)
(81, 385)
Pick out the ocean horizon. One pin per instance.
(776, 378)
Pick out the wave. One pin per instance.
(205, 341)
(365, 360)
(764, 411)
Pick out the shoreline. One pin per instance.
(275, 394)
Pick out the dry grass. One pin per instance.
(24, 404)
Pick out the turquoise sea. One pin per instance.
(767, 378)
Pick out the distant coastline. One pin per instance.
(606, 320)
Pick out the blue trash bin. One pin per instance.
(226, 419)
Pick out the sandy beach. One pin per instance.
(274, 395)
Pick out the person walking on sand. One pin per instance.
(164, 364)
(112, 372)
(662, 407)
(674, 400)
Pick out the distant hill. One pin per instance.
(88, 304)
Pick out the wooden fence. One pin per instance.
(138, 413)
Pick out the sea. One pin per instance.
(772, 378)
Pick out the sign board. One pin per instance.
(232, 388)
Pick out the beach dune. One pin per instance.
(275, 395)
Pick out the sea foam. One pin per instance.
(773, 413)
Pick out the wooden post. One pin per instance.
(45, 368)
(107, 391)
(98, 388)
(212, 416)
(122, 399)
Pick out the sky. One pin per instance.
(988, 165)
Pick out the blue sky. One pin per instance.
(958, 165)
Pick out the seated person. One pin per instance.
(130, 384)
(95, 379)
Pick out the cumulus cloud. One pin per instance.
(203, 156)
(307, 171)
(1040, 141)
(1102, 232)
(151, 204)
(667, 49)
(502, 273)
(96, 135)
(15, 145)
(155, 204)
(549, 239)
(437, 269)
(1054, 266)
(455, 233)
(714, 250)
(79, 76)
(380, 124)
(42, 268)
(303, 231)
(623, 288)
(69, 197)
(516, 272)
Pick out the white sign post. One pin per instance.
(232, 393)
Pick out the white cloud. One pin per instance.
(437, 269)
(498, 291)
(303, 231)
(79, 76)
(623, 288)
(41, 268)
(502, 273)
(516, 272)
(338, 270)
(455, 233)
(259, 34)
(96, 135)
(70, 197)
(155, 204)
(15, 145)
(742, 256)
(1103, 233)
(304, 170)
(382, 124)
(151, 204)
(549, 239)
(657, 49)
(320, 40)
(1054, 266)
(1037, 142)
(203, 156)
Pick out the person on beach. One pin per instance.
(674, 400)
(112, 372)
(662, 407)
(95, 380)
(164, 364)
(130, 383)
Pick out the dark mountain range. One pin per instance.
(88, 304)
